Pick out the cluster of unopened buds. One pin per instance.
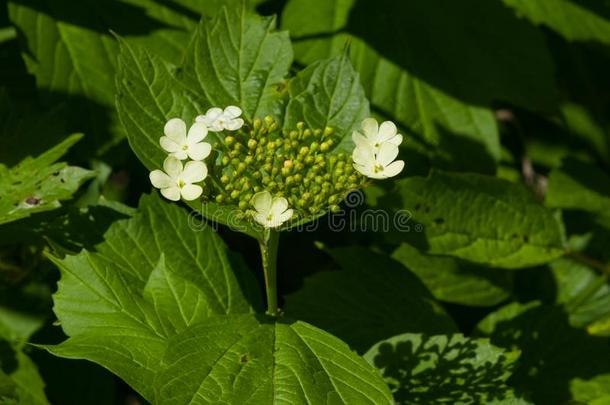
(271, 174)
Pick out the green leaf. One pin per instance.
(575, 20)
(370, 299)
(437, 76)
(578, 185)
(71, 52)
(328, 93)
(456, 281)
(448, 369)
(557, 360)
(39, 184)
(159, 304)
(21, 385)
(239, 59)
(280, 362)
(574, 280)
(478, 218)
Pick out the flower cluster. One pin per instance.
(270, 173)
(178, 181)
(376, 149)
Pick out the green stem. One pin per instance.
(269, 247)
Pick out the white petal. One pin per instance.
(171, 193)
(387, 130)
(278, 206)
(197, 132)
(364, 170)
(370, 128)
(363, 155)
(262, 202)
(159, 179)
(216, 126)
(387, 153)
(261, 219)
(172, 166)
(234, 124)
(175, 129)
(191, 192)
(393, 168)
(199, 151)
(397, 140)
(360, 140)
(200, 118)
(232, 111)
(213, 114)
(168, 144)
(180, 155)
(194, 172)
(285, 216)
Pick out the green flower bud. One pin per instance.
(243, 205)
(220, 198)
(224, 179)
(229, 140)
(257, 123)
(252, 144)
(328, 131)
(234, 194)
(226, 160)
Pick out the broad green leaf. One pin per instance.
(370, 299)
(582, 122)
(576, 20)
(579, 185)
(456, 281)
(159, 304)
(18, 326)
(247, 360)
(21, 384)
(477, 218)
(71, 52)
(436, 76)
(574, 280)
(557, 360)
(328, 93)
(449, 369)
(39, 184)
(152, 277)
(234, 59)
(239, 59)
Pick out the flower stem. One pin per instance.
(269, 247)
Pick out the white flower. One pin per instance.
(376, 135)
(378, 165)
(218, 120)
(270, 212)
(177, 181)
(180, 145)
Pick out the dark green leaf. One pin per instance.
(576, 20)
(578, 185)
(39, 184)
(449, 369)
(370, 299)
(481, 219)
(328, 93)
(558, 362)
(456, 281)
